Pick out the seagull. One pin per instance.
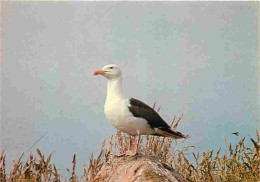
(131, 116)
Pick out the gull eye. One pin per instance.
(111, 67)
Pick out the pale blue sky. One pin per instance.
(195, 58)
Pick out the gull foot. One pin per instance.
(118, 155)
(131, 153)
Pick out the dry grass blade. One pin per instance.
(177, 122)
(2, 166)
(49, 158)
(237, 163)
(37, 141)
(73, 173)
(255, 144)
(39, 152)
(154, 104)
(257, 135)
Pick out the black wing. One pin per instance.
(141, 110)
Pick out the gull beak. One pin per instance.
(99, 72)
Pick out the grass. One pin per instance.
(238, 162)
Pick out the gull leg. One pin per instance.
(129, 146)
(137, 145)
(133, 153)
(128, 150)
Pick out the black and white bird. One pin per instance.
(131, 115)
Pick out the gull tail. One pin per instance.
(167, 132)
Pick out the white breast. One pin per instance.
(121, 118)
(116, 111)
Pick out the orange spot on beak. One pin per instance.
(99, 72)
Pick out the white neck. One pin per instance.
(114, 89)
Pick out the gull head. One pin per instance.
(110, 71)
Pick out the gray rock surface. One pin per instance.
(137, 168)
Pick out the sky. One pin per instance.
(199, 59)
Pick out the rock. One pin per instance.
(137, 168)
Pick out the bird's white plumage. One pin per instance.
(117, 111)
